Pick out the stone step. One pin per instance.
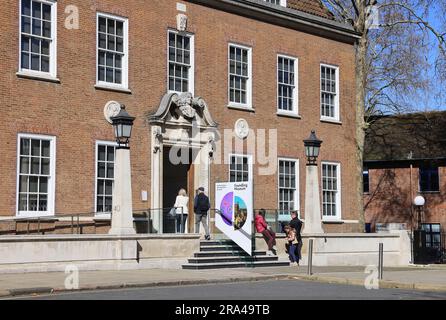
(223, 265)
(226, 253)
(232, 259)
(217, 242)
(221, 248)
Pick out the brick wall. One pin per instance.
(391, 196)
(72, 110)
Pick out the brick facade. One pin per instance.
(392, 191)
(72, 109)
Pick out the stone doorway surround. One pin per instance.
(181, 121)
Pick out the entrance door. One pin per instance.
(175, 177)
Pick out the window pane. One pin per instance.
(45, 169)
(37, 27)
(35, 165)
(26, 7)
(45, 67)
(46, 12)
(102, 24)
(43, 202)
(108, 187)
(36, 9)
(24, 165)
(23, 185)
(33, 202)
(101, 170)
(23, 202)
(43, 187)
(33, 184)
(101, 187)
(120, 28)
(110, 170)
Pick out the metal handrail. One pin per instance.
(40, 219)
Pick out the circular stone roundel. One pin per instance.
(111, 109)
(241, 128)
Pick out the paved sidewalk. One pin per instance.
(416, 278)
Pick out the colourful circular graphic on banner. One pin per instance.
(240, 213)
(226, 208)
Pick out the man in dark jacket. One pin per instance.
(297, 225)
(201, 208)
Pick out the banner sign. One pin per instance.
(234, 202)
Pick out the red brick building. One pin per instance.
(405, 156)
(285, 67)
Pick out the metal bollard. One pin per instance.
(310, 257)
(381, 261)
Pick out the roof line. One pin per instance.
(256, 8)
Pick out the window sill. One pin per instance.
(288, 115)
(30, 216)
(36, 76)
(241, 108)
(332, 121)
(111, 88)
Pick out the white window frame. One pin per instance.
(191, 74)
(338, 216)
(337, 117)
(250, 165)
(248, 104)
(295, 111)
(296, 192)
(105, 215)
(51, 183)
(125, 61)
(52, 74)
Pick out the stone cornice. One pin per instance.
(286, 17)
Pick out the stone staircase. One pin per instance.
(217, 254)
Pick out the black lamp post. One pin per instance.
(312, 148)
(123, 124)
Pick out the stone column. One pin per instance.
(156, 181)
(313, 221)
(122, 216)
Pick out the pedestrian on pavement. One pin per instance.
(181, 210)
(296, 224)
(268, 234)
(292, 245)
(201, 208)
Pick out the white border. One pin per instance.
(295, 111)
(248, 105)
(338, 216)
(297, 191)
(102, 215)
(191, 74)
(51, 183)
(125, 60)
(52, 75)
(337, 117)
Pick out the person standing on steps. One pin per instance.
(201, 208)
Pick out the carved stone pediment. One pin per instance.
(182, 109)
